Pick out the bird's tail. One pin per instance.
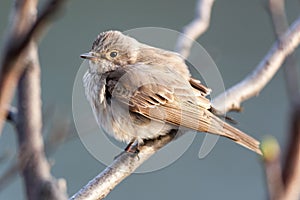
(226, 130)
(202, 120)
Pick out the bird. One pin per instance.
(139, 92)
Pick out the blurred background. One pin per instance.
(239, 36)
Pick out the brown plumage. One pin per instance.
(140, 92)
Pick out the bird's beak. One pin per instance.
(88, 56)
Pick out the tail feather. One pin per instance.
(238, 136)
(243, 139)
(201, 120)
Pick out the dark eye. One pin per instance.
(113, 54)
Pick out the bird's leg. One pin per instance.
(132, 147)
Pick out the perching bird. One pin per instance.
(140, 92)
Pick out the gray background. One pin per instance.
(239, 37)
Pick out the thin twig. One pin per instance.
(271, 158)
(195, 28)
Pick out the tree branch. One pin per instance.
(36, 170)
(23, 28)
(123, 166)
(20, 65)
(232, 98)
(280, 25)
(290, 176)
(195, 28)
(291, 168)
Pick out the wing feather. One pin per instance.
(159, 93)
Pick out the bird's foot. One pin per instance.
(131, 148)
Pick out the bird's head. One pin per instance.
(111, 50)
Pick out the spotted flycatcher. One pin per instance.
(140, 92)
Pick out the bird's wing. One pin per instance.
(159, 93)
(135, 83)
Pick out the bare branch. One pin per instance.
(280, 25)
(195, 28)
(20, 59)
(17, 41)
(232, 98)
(123, 166)
(36, 171)
(291, 169)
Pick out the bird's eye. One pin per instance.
(113, 54)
